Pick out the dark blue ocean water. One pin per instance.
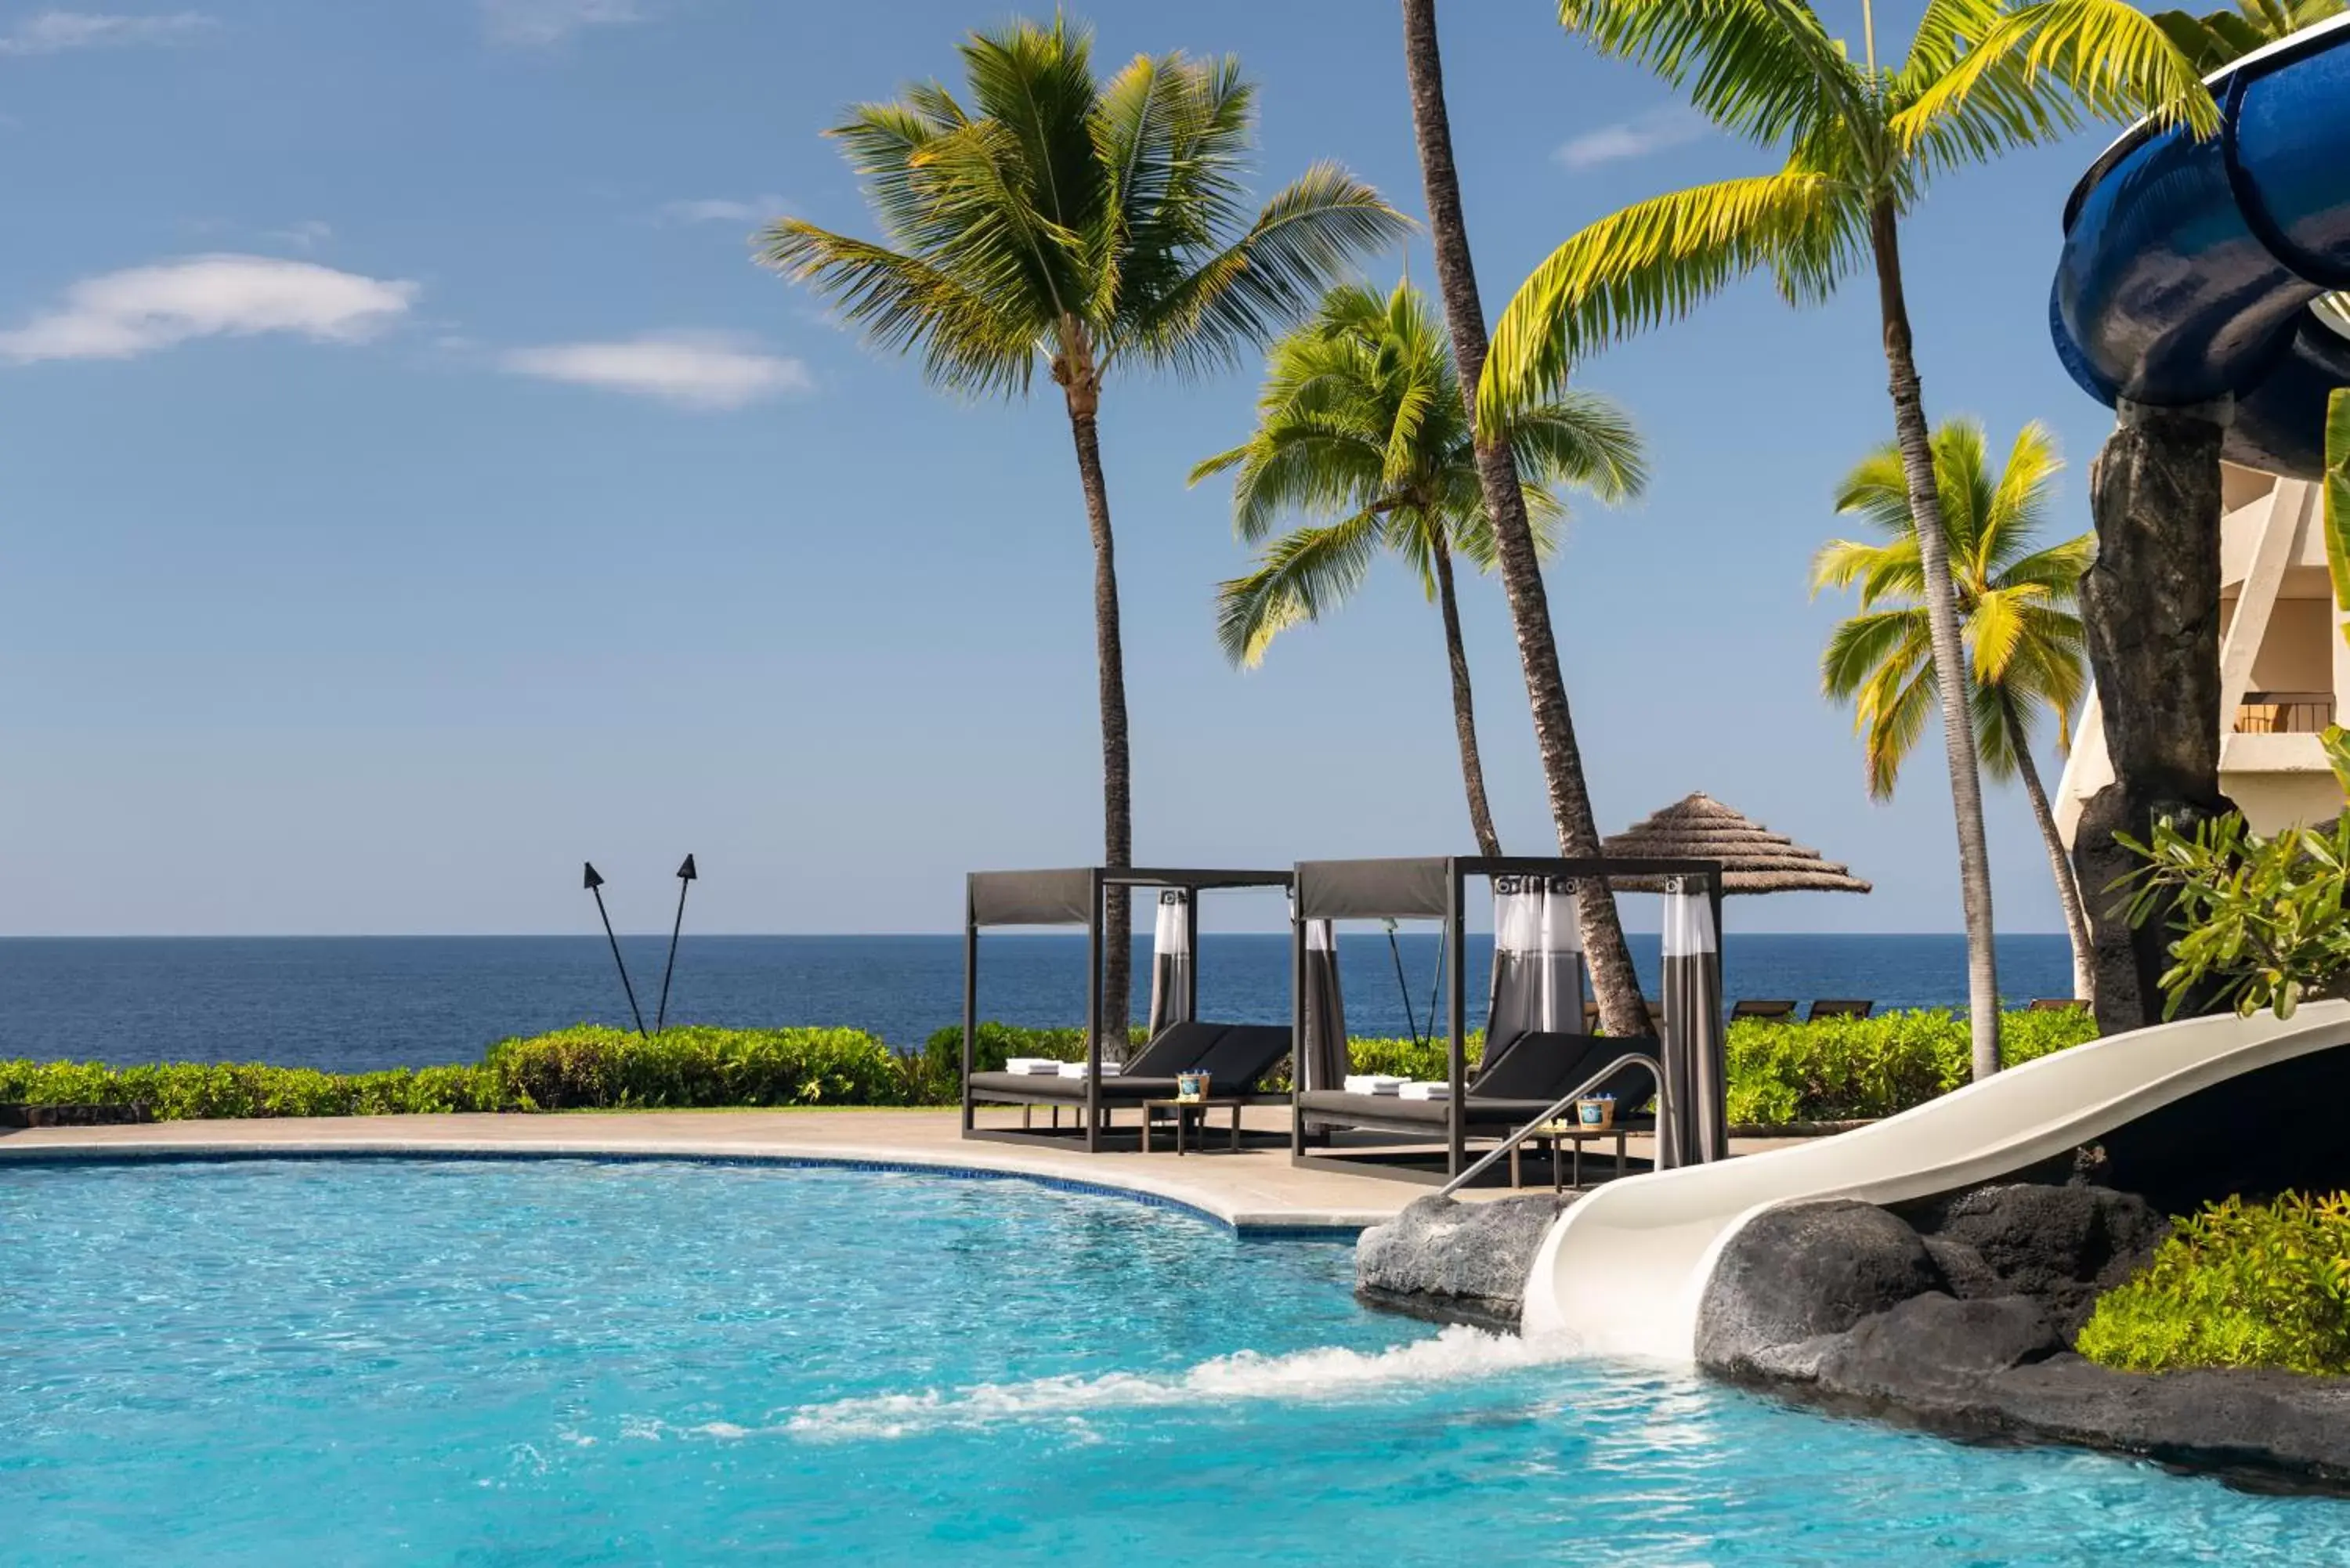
(357, 1002)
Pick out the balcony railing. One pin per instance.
(2285, 712)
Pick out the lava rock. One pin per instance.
(1936, 1344)
(1965, 1273)
(1464, 1262)
(2063, 1246)
(1800, 1273)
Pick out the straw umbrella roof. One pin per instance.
(1753, 859)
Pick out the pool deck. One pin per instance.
(1255, 1191)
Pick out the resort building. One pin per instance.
(2285, 669)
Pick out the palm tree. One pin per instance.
(1060, 223)
(1861, 145)
(1613, 979)
(2220, 38)
(2018, 604)
(1361, 426)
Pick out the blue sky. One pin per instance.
(409, 487)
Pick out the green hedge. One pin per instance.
(1836, 1070)
(1848, 1069)
(587, 1067)
(2239, 1284)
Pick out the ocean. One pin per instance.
(356, 1004)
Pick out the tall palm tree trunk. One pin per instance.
(1910, 432)
(2068, 889)
(1118, 811)
(1613, 979)
(1464, 708)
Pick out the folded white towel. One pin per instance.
(1426, 1092)
(1374, 1083)
(1077, 1069)
(1038, 1067)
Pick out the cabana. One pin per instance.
(1235, 1055)
(1537, 1057)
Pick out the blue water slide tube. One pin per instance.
(2195, 270)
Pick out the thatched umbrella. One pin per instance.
(1753, 859)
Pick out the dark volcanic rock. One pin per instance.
(1797, 1273)
(1934, 1343)
(1965, 1273)
(1465, 1260)
(2063, 1246)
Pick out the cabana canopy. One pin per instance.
(1073, 897)
(1433, 887)
(1067, 898)
(1753, 860)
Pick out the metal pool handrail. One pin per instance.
(1629, 1059)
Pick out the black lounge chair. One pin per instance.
(1840, 1007)
(1523, 1080)
(1235, 1056)
(2058, 1004)
(1770, 1011)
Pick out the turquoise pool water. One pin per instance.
(579, 1362)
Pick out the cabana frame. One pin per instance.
(1072, 896)
(1435, 888)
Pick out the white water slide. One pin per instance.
(1625, 1269)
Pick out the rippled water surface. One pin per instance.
(579, 1362)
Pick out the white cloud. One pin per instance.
(1671, 126)
(121, 315)
(540, 23)
(55, 32)
(725, 210)
(694, 370)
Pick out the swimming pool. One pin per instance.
(574, 1361)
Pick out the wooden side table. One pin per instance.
(1186, 1113)
(1557, 1133)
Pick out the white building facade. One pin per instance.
(2285, 669)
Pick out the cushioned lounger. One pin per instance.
(1524, 1079)
(1234, 1056)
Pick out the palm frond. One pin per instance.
(2112, 58)
(1302, 575)
(1582, 439)
(1312, 232)
(2019, 505)
(1882, 572)
(969, 343)
(1649, 264)
(1863, 646)
(2005, 108)
(1760, 69)
(1890, 716)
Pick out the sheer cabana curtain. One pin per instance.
(1695, 1077)
(1170, 962)
(1324, 1011)
(1537, 959)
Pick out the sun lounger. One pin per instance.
(1771, 1011)
(1514, 1087)
(1840, 1007)
(1235, 1056)
(2058, 1004)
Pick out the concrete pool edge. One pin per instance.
(225, 1142)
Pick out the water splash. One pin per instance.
(1455, 1354)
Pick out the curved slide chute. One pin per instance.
(1625, 1269)
(2195, 270)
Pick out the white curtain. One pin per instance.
(1170, 962)
(1696, 1077)
(1537, 959)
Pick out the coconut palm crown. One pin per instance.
(1362, 428)
(2018, 604)
(1047, 220)
(1861, 144)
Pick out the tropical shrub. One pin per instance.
(2239, 1284)
(592, 1066)
(2257, 922)
(1848, 1069)
(587, 1067)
